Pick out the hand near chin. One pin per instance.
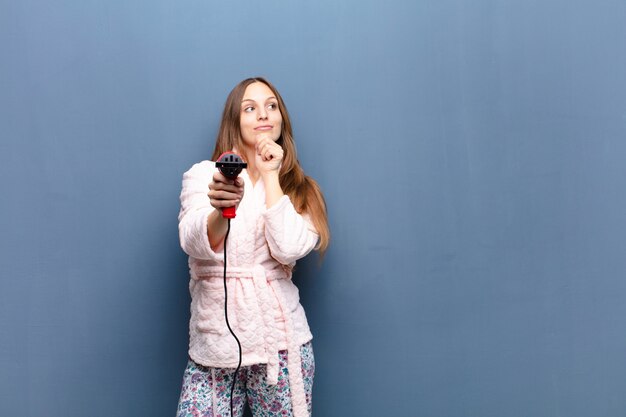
(269, 155)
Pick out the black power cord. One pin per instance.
(230, 165)
(232, 388)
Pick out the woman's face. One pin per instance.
(260, 115)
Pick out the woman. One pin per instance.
(281, 217)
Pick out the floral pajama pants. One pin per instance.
(196, 398)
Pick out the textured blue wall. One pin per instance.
(472, 154)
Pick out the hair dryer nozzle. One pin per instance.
(230, 165)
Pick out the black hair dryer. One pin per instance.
(230, 165)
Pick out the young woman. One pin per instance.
(281, 217)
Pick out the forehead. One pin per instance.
(257, 92)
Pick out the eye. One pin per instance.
(248, 109)
(272, 106)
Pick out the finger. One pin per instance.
(224, 203)
(262, 143)
(272, 152)
(266, 149)
(267, 142)
(223, 195)
(270, 146)
(219, 177)
(218, 186)
(219, 204)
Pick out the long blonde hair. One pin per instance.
(304, 192)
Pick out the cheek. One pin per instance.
(245, 125)
(244, 120)
(278, 131)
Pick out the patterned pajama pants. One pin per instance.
(201, 384)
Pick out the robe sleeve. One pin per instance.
(194, 212)
(290, 235)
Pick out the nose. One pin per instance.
(261, 114)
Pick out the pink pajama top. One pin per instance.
(264, 307)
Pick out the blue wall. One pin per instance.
(472, 154)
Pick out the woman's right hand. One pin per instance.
(224, 192)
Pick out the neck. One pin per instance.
(253, 172)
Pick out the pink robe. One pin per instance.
(264, 307)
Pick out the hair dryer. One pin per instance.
(230, 165)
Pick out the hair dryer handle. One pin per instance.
(229, 212)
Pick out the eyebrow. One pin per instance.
(249, 99)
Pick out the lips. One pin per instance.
(264, 127)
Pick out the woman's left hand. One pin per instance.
(269, 155)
